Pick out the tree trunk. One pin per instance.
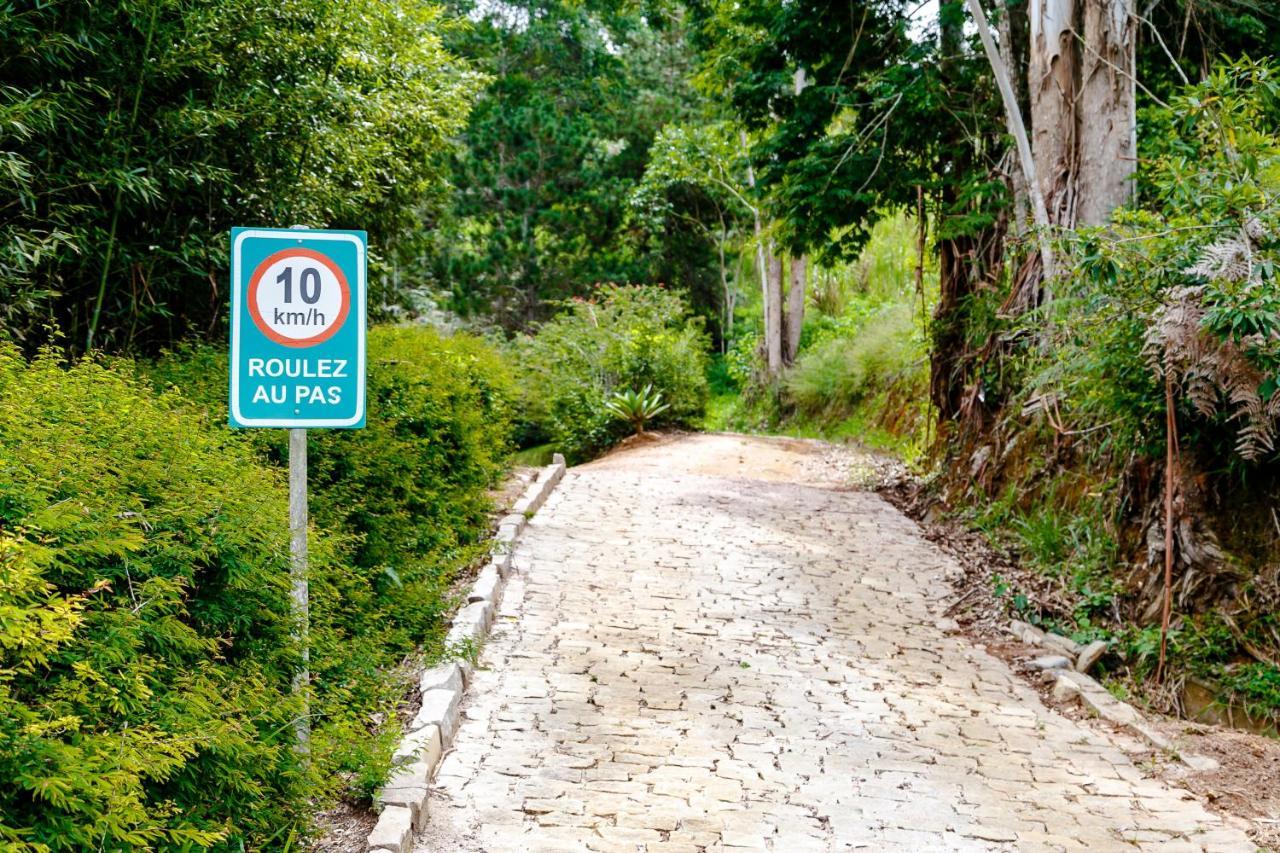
(726, 324)
(1021, 218)
(955, 282)
(1015, 44)
(773, 316)
(946, 364)
(1052, 80)
(1013, 120)
(768, 280)
(795, 306)
(793, 322)
(762, 267)
(1108, 126)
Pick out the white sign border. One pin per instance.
(358, 300)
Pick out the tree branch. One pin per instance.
(1013, 117)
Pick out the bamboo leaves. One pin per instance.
(132, 135)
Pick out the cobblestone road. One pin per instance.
(691, 658)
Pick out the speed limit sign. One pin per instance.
(305, 300)
(297, 328)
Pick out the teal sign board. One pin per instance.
(297, 328)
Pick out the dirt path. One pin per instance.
(709, 644)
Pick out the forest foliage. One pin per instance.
(147, 653)
(626, 340)
(555, 147)
(605, 191)
(1174, 300)
(148, 649)
(1048, 421)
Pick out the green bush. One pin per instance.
(742, 360)
(145, 651)
(408, 493)
(412, 486)
(837, 374)
(625, 339)
(405, 501)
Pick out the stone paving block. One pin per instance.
(1090, 655)
(470, 624)
(423, 744)
(411, 797)
(541, 488)
(511, 526)
(445, 675)
(413, 774)
(1050, 662)
(394, 831)
(440, 708)
(486, 584)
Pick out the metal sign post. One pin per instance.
(298, 322)
(298, 577)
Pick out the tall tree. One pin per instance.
(1084, 125)
(796, 289)
(1108, 126)
(774, 323)
(698, 178)
(809, 81)
(881, 117)
(970, 229)
(1053, 73)
(556, 145)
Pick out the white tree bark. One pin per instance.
(762, 265)
(1108, 125)
(1053, 87)
(765, 261)
(793, 321)
(1013, 120)
(726, 326)
(795, 306)
(773, 316)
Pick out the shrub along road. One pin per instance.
(709, 643)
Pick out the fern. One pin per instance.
(1216, 372)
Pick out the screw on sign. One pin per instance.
(298, 323)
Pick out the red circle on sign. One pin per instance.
(271, 333)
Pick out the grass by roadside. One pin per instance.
(534, 457)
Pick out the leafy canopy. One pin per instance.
(133, 135)
(553, 150)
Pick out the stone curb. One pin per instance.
(1068, 670)
(402, 801)
(1070, 685)
(1082, 657)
